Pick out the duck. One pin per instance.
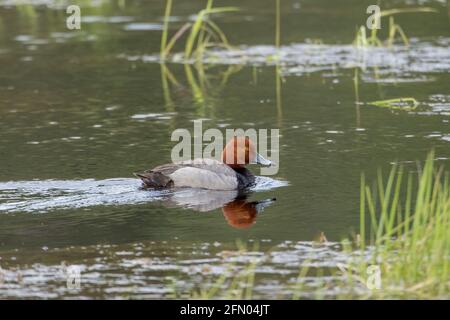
(228, 174)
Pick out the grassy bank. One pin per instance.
(407, 222)
(404, 235)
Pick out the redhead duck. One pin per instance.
(228, 174)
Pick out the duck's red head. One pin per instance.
(240, 151)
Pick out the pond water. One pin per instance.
(81, 110)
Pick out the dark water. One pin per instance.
(81, 110)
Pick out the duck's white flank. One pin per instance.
(205, 173)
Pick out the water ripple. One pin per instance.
(46, 195)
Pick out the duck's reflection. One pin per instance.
(238, 211)
(242, 214)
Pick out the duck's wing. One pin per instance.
(197, 173)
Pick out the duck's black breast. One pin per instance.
(245, 178)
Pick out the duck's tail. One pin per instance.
(155, 180)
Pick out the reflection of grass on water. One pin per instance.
(203, 35)
(240, 285)
(404, 231)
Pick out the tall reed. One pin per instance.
(408, 227)
(203, 32)
(364, 39)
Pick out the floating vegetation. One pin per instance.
(406, 104)
(364, 39)
(415, 63)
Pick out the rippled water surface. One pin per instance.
(81, 110)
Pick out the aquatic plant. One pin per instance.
(204, 33)
(404, 231)
(364, 39)
(409, 240)
(278, 75)
(277, 24)
(406, 104)
(201, 35)
(164, 48)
